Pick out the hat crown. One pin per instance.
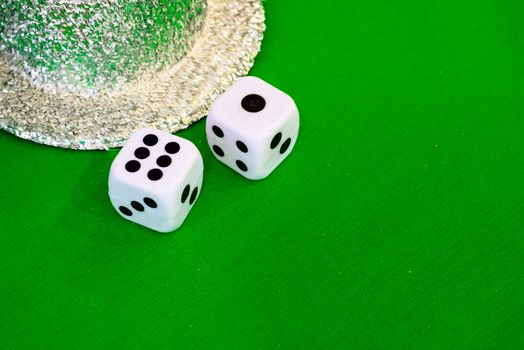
(91, 45)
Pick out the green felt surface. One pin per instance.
(397, 221)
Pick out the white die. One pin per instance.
(252, 127)
(155, 179)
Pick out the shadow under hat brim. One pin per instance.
(173, 100)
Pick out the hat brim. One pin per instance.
(173, 100)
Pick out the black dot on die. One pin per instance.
(172, 147)
(217, 131)
(141, 153)
(133, 166)
(125, 211)
(150, 202)
(218, 151)
(241, 165)
(185, 193)
(253, 103)
(155, 174)
(242, 146)
(150, 140)
(164, 161)
(285, 146)
(137, 206)
(193, 196)
(276, 140)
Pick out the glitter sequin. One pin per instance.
(89, 77)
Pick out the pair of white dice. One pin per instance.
(157, 177)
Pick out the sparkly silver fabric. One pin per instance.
(86, 46)
(118, 65)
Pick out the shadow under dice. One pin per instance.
(252, 127)
(155, 179)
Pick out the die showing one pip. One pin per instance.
(155, 179)
(252, 127)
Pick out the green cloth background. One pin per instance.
(396, 222)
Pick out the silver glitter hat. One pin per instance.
(85, 74)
